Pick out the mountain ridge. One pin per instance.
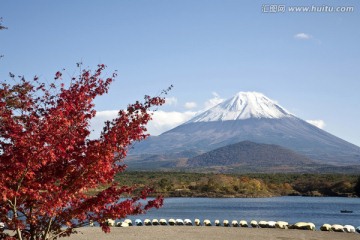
(204, 133)
(246, 154)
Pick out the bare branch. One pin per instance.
(1, 26)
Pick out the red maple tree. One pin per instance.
(48, 164)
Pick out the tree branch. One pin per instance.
(48, 229)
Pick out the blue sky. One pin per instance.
(209, 50)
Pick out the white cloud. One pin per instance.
(171, 101)
(97, 123)
(302, 36)
(213, 101)
(317, 123)
(163, 121)
(190, 105)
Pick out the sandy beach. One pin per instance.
(208, 233)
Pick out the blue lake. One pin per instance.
(318, 210)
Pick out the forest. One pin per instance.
(181, 184)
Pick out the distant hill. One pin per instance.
(255, 156)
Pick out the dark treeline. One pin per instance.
(180, 184)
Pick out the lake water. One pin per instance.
(318, 210)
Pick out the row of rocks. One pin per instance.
(235, 223)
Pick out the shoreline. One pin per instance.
(209, 233)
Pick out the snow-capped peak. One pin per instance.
(243, 105)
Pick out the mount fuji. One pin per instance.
(243, 105)
(247, 116)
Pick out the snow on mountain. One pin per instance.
(243, 105)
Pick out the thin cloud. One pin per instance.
(215, 100)
(303, 36)
(163, 121)
(171, 101)
(317, 123)
(97, 123)
(190, 105)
